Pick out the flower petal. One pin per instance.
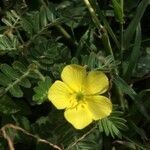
(78, 116)
(96, 82)
(99, 106)
(73, 75)
(59, 94)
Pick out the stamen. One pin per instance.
(79, 96)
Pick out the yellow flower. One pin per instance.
(79, 95)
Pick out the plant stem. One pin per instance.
(102, 30)
(121, 42)
(39, 74)
(107, 46)
(121, 36)
(80, 139)
(100, 27)
(64, 32)
(93, 14)
(17, 128)
(119, 92)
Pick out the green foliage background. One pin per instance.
(39, 37)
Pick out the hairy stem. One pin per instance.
(10, 142)
(121, 34)
(106, 42)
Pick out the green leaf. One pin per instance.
(51, 53)
(14, 77)
(16, 91)
(50, 14)
(138, 130)
(4, 80)
(143, 67)
(129, 32)
(19, 66)
(43, 17)
(130, 5)
(87, 41)
(126, 89)
(41, 91)
(9, 72)
(106, 23)
(37, 22)
(93, 141)
(7, 106)
(11, 19)
(25, 83)
(22, 121)
(134, 55)
(134, 144)
(113, 125)
(27, 26)
(8, 44)
(109, 29)
(118, 10)
(72, 13)
(144, 92)
(2, 91)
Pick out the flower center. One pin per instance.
(79, 96)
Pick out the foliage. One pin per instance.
(113, 125)
(41, 90)
(38, 38)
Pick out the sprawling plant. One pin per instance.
(100, 49)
